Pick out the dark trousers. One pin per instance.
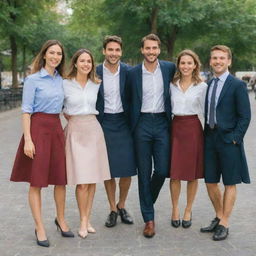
(152, 142)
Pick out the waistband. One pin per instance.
(186, 117)
(44, 115)
(162, 114)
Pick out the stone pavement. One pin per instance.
(17, 230)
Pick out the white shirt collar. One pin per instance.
(144, 70)
(109, 72)
(223, 77)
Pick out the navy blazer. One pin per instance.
(134, 80)
(233, 112)
(123, 90)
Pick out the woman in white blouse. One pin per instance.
(186, 162)
(86, 154)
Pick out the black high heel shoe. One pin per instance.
(175, 223)
(187, 223)
(64, 233)
(44, 243)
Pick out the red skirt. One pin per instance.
(49, 165)
(186, 148)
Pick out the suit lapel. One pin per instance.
(165, 79)
(100, 74)
(225, 88)
(139, 82)
(122, 78)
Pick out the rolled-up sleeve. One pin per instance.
(28, 95)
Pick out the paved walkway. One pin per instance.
(17, 229)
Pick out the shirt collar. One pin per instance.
(223, 77)
(43, 72)
(145, 71)
(105, 69)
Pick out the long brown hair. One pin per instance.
(39, 61)
(196, 78)
(73, 71)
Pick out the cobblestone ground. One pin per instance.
(17, 229)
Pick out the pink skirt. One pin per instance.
(48, 166)
(186, 148)
(86, 153)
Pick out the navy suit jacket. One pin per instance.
(233, 113)
(123, 90)
(134, 80)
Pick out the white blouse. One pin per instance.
(190, 102)
(79, 100)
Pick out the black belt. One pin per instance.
(153, 114)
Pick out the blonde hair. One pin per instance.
(73, 71)
(196, 78)
(222, 48)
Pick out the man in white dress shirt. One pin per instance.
(149, 83)
(112, 105)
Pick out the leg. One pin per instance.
(191, 193)
(175, 187)
(110, 187)
(35, 205)
(228, 203)
(91, 193)
(216, 198)
(124, 185)
(82, 198)
(161, 155)
(60, 198)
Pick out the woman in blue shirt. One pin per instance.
(40, 159)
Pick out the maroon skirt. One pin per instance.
(49, 165)
(186, 148)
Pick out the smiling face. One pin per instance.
(219, 62)
(53, 57)
(186, 65)
(150, 51)
(84, 64)
(113, 53)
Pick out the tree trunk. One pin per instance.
(14, 61)
(24, 61)
(153, 20)
(170, 42)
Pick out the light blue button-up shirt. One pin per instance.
(43, 93)
(221, 82)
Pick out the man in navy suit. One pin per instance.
(150, 112)
(112, 104)
(227, 117)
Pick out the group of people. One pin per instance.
(123, 121)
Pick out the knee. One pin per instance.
(82, 187)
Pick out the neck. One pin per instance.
(150, 66)
(111, 67)
(49, 70)
(186, 79)
(81, 79)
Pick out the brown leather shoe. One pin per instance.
(149, 230)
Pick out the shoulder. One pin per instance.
(125, 66)
(202, 84)
(167, 64)
(135, 69)
(236, 81)
(32, 79)
(93, 84)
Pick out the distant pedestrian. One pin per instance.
(86, 153)
(40, 159)
(186, 161)
(227, 117)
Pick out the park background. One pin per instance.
(196, 24)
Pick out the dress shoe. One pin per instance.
(82, 233)
(220, 233)
(125, 217)
(187, 223)
(44, 243)
(111, 221)
(64, 233)
(149, 230)
(175, 223)
(212, 226)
